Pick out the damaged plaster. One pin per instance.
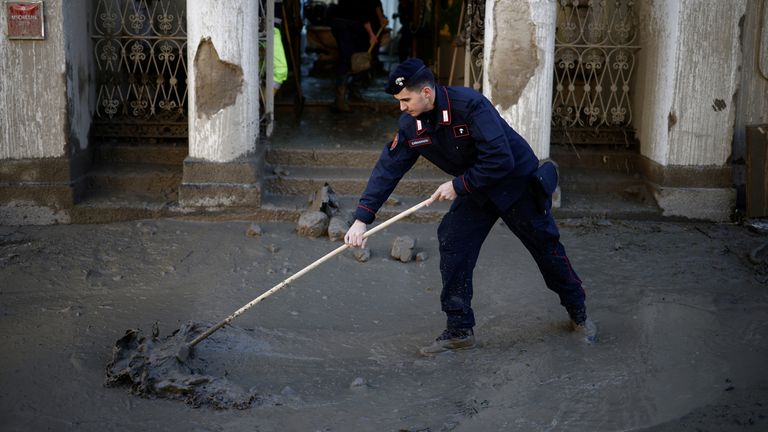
(218, 83)
(514, 56)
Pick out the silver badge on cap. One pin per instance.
(399, 81)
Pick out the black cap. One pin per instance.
(406, 74)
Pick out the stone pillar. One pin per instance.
(688, 75)
(519, 66)
(224, 161)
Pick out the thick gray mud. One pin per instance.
(151, 367)
(681, 307)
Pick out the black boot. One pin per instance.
(450, 339)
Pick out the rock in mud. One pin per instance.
(254, 230)
(361, 254)
(402, 248)
(422, 256)
(324, 200)
(358, 383)
(313, 224)
(149, 366)
(337, 228)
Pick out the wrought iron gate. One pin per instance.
(473, 38)
(595, 47)
(140, 49)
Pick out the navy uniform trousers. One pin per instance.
(464, 229)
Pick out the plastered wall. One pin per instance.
(33, 90)
(688, 76)
(223, 78)
(519, 66)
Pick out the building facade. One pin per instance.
(689, 76)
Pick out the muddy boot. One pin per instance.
(341, 104)
(581, 324)
(450, 339)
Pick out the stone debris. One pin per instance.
(324, 200)
(361, 254)
(759, 254)
(313, 224)
(272, 248)
(358, 383)
(392, 201)
(254, 230)
(422, 256)
(402, 248)
(337, 228)
(281, 172)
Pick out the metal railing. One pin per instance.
(595, 47)
(140, 48)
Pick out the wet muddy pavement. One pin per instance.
(683, 317)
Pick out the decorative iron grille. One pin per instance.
(595, 47)
(473, 38)
(140, 48)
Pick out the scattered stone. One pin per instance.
(759, 254)
(422, 256)
(361, 254)
(313, 224)
(337, 228)
(281, 172)
(254, 230)
(402, 248)
(324, 200)
(272, 248)
(393, 201)
(358, 383)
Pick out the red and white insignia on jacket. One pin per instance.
(394, 142)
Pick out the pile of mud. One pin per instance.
(149, 365)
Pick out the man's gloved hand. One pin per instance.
(444, 192)
(354, 236)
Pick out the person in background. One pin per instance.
(353, 28)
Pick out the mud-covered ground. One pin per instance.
(683, 317)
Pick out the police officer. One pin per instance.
(496, 175)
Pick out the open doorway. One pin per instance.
(411, 28)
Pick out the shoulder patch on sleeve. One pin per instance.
(394, 141)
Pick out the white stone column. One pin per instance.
(223, 169)
(223, 78)
(519, 66)
(689, 68)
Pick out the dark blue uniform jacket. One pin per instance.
(465, 137)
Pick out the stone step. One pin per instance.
(574, 205)
(592, 180)
(115, 206)
(140, 153)
(346, 158)
(606, 159)
(159, 179)
(302, 181)
(289, 208)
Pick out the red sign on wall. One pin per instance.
(25, 19)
